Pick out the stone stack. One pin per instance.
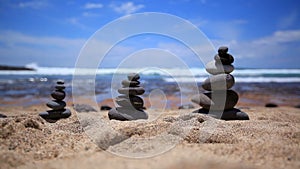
(130, 104)
(219, 101)
(57, 105)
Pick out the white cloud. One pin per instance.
(288, 20)
(126, 8)
(93, 5)
(36, 4)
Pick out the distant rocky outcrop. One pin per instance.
(18, 68)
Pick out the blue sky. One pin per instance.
(259, 33)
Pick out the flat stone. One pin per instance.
(84, 108)
(58, 94)
(133, 77)
(130, 102)
(3, 116)
(105, 107)
(214, 68)
(56, 104)
(56, 114)
(222, 50)
(230, 114)
(60, 87)
(217, 103)
(132, 90)
(271, 105)
(124, 114)
(218, 82)
(60, 81)
(127, 83)
(225, 59)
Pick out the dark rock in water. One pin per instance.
(222, 50)
(230, 114)
(3, 116)
(127, 83)
(84, 108)
(214, 68)
(186, 106)
(56, 114)
(58, 94)
(60, 82)
(133, 77)
(124, 114)
(271, 105)
(130, 101)
(132, 90)
(60, 87)
(217, 103)
(56, 104)
(226, 59)
(218, 82)
(105, 107)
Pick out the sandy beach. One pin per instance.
(270, 139)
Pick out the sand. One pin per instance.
(172, 139)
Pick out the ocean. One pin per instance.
(39, 84)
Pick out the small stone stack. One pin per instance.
(57, 105)
(219, 101)
(131, 105)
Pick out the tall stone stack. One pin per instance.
(57, 105)
(219, 100)
(130, 104)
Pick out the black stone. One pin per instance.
(60, 87)
(130, 101)
(218, 82)
(56, 114)
(132, 90)
(186, 106)
(217, 103)
(105, 107)
(124, 114)
(133, 77)
(225, 59)
(222, 50)
(84, 108)
(271, 105)
(3, 116)
(230, 114)
(56, 104)
(58, 94)
(127, 83)
(60, 82)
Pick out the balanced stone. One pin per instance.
(215, 100)
(133, 76)
(132, 90)
(127, 83)
(56, 114)
(225, 59)
(124, 114)
(60, 87)
(230, 114)
(56, 104)
(222, 50)
(58, 94)
(60, 82)
(218, 82)
(130, 101)
(214, 68)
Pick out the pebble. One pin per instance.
(127, 83)
(271, 105)
(214, 68)
(133, 77)
(84, 108)
(58, 94)
(226, 59)
(105, 107)
(56, 104)
(124, 114)
(3, 116)
(205, 100)
(131, 90)
(218, 82)
(60, 87)
(130, 102)
(223, 50)
(60, 82)
(230, 114)
(56, 114)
